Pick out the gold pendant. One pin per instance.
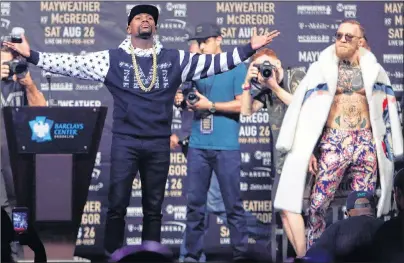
(137, 74)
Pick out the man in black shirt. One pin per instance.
(350, 240)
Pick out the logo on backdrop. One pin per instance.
(40, 128)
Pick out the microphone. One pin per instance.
(51, 102)
(16, 34)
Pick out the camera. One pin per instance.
(265, 69)
(13, 39)
(17, 66)
(191, 97)
(15, 35)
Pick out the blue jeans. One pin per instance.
(226, 165)
(215, 205)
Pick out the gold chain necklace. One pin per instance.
(137, 74)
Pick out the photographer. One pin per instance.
(17, 89)
(214, 147)
(267, 75)
(17, 80)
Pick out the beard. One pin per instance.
(144, 33)
(345, 53)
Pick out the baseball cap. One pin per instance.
(206, 30)
(353, 200)
(144, 9)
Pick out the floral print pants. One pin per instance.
(342, 152)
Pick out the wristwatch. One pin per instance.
(212, 108)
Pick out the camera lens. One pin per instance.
(191, 96)
(20, 68)
(266, 73)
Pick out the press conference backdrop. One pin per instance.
(306, 29)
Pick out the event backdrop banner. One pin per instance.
(306, 29)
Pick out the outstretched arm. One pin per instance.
(199, 66)
(92, 66)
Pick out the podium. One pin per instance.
(55, 199)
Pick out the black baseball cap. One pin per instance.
(353, 201)
(144, 9)
(206, 30)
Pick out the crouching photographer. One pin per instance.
(17, 89)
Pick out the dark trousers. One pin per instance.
(226, 165)
(151, 157)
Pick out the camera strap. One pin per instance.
(268, 97)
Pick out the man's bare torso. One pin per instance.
(349, 110)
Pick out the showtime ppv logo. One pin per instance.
(349, 10)
(180, 10)
(178, 212)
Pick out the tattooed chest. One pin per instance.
(349, 80)
(350, 111)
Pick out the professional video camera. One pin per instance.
(265, 69)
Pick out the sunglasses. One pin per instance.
(348, 37)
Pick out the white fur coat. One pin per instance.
(307, 114)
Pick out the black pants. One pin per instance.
(151, 157)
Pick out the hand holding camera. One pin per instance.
(252, 73)
(265, 69)
(17, 66)
(17, 42)
(196, 101)
(13, 67)
(262, 74)
(179, 98)
(5, 71)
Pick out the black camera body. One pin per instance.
(191, 97)
(265, 69)
(18, 67)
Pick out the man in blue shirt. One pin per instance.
(214, 146)
(214, 205)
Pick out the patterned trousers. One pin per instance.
(350, 153)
